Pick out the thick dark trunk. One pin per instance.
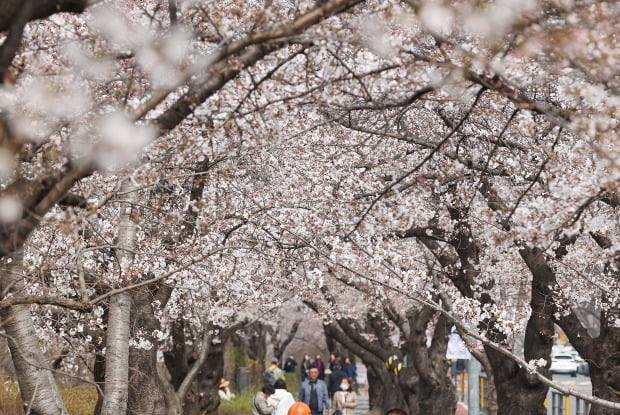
(206, 390)
(384, 391)
(518, 393)
(202, 397)
(436, 392)
(176, 358)
(605, 366)
(145, 390)
(601, 388)
(438, 398)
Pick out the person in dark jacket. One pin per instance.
(321, 366)
(290, 364)
(305, 366)
(349, 369)
(335, 378)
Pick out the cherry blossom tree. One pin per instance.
(171, 168)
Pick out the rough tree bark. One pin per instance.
(117, 349)
(437, 393)
(601, 352)
(145, 388)
(517, 391)
(149, 388)
(36, 383)
(516, 388)
(193, 376)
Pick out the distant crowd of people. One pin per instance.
(325, 389)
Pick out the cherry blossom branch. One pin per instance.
(429, 156)
(219, 70)
(506, 221)
(87, 306)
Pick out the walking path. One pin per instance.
(362, 403)
(363, 408)
(461, 409)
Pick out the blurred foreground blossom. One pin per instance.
(10, 209)
(121, 140)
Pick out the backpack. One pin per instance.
(269, 377)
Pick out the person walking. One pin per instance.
(345, 400)
(321, 366)
(335, 378)
(278, 373)
(349, 369)
(282, 399)
(305, 365)
(260, 405)
(313, 392)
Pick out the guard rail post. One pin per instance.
(581, 407)
(557, 403)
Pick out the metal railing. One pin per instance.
(561, 404)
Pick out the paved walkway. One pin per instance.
(362, 403)
(362, 406)
(461, 409)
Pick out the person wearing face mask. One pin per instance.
(345, 400)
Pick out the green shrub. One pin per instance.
(242, 404)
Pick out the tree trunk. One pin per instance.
(438, 396)
(229, 363)
(280, 345)
(384, 391)
(436, 393)
(194, 377)
(601, 388)
(173, 404)
(99, 370)
(116, 392)
(36, 383)
(518, 391)
(605, 366)
(146, 394)
(117, 352)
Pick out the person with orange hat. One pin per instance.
(299, 408)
